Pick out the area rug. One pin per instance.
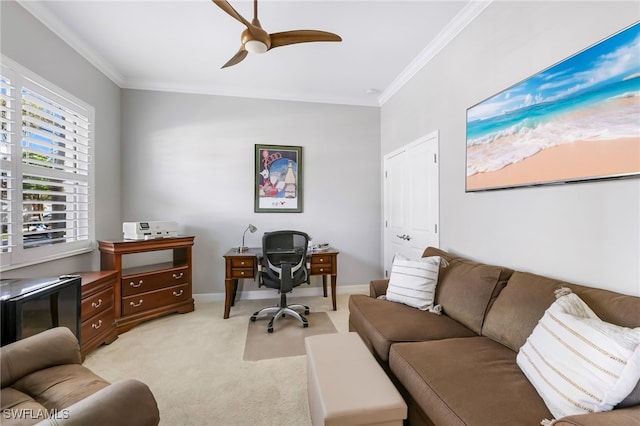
(287, 338)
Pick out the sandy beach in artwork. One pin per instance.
(569, 161)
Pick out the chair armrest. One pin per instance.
(125, 403)
(56, 346)
(378, 287)
(618, 417)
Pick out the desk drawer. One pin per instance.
(136, 284)
(321, 264)
(97, 303)
(155, 299)
(242, 273)
(248, 262)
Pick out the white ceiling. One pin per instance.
(180, 45)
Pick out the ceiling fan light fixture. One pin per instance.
(255, 46)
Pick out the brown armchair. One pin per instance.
(44, 382)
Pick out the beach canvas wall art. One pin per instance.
(578, 120)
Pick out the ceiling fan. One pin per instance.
(256, 40)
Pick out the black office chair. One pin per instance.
(285, 267)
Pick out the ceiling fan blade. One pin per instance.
(224, 5)
(237, 58)
(301, 36)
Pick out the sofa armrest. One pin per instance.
(56, 346)
(618, 417)
(125, 403)
(378, 287)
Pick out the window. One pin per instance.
(46, 170)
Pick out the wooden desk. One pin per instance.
(245, 265)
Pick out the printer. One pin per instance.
(149, 230)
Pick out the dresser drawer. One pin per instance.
(96, 303)
(142, 283)
(155, 299)
(97, 324)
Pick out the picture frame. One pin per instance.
(576, 121)
(278, 179)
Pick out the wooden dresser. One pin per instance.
(97, 310)
(149, 291)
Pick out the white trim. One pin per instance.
(459, 22)
(265, 294)
(58, 28)
(453, 28)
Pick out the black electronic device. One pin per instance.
(29, 306)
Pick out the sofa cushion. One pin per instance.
(61, 386)
(413, 281)
(19, 408)
(466, 290)
(469, 381)
(527, 296)
(381, 323)
(577, 362)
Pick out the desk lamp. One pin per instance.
(251, 229)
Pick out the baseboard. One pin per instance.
(298, 291)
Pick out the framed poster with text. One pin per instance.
(278, 179)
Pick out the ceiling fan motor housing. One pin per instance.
(253, 44)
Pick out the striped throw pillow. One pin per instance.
(578, 363)
(413, 282)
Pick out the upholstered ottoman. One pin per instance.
(346, 385)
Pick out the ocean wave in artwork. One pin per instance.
(607, 114)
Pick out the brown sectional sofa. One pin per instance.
(459, 368)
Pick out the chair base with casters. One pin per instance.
(282, 310)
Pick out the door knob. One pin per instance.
(404, 237)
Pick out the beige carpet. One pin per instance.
(287, 338)
(193, 363)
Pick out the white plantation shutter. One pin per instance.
(7, 124)
(49, 173)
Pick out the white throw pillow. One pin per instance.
(413, 282)
(578, 363)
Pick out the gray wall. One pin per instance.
(586, 233)
(25, 40)
(190, 158)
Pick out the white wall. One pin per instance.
(586, 233)
(190, 158)
(25, 40)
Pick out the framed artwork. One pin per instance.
(278, 174)
(575, 121)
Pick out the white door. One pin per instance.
(411, 200)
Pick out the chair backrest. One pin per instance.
(284, 250)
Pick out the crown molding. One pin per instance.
(459, 22)
(58, 28)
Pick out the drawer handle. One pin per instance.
(178, 276)
(321, 259)
(321, 269)
(97, 326)
(96, 305)
(241, 272)
(178, 293)
(242, 263)
(135, 305)
(134, 285)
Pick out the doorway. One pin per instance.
(411, 199)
